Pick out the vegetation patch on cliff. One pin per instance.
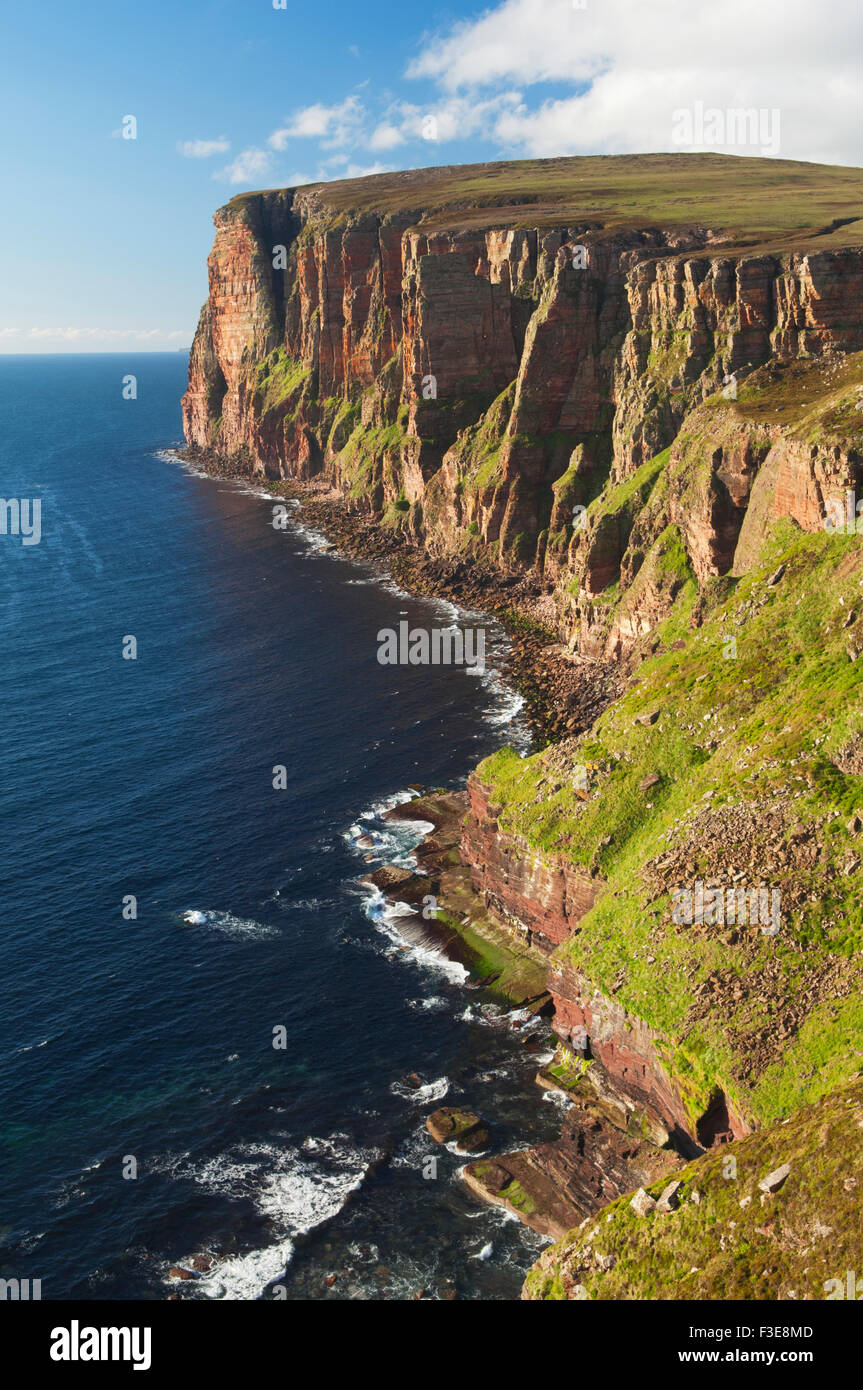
(723, 764)
(772, 1216)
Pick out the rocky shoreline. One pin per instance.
(600, 1152)
(563, 693)
(605, 1148)
(506, 907)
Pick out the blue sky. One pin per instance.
(105, 238)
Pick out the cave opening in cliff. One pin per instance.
(715, 1125)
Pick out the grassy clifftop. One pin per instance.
(755, 200)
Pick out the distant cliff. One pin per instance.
(414, 341)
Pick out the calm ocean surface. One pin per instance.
(148, 1043)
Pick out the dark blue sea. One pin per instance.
(145, 1117)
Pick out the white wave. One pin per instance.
(244, 486)
(381, 915)
(28, 1243)
(244, 1277)
(489, 1015)
(506, 711)
(316, 543)
(414, 1150)
(452, 1146)
(558, 1099)
(421, 1095)
(388, 803)
(432, 1003)
(240, 928)
(31, 1046)
(393, 841)
(295, 1189)
(395, 910)
(250, 489)
(485, 1253)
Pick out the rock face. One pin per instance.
(540, 899)
(629, 1052)
(553, 1187)
(478, 384)
(616, 412)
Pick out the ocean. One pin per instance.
(145, 1116)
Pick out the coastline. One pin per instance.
(548, 1186)
(563, 693)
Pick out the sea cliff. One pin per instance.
(625, 397)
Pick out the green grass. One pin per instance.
(759, 199)
(277, 379)
(818, 401)
(629, 496)
(742, 730)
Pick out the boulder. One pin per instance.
(774, 1180)
(641, 1202)
(460, 1126)
(669, 1200)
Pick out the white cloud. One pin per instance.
(629, 66)
(361, 171)
(69, 334)
(249, 165)
(542, 77)
(451, 118)
(526, 41)
(386, 137)
(203, 149)
(333, 126)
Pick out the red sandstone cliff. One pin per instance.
(621, 405)
(477, 381)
